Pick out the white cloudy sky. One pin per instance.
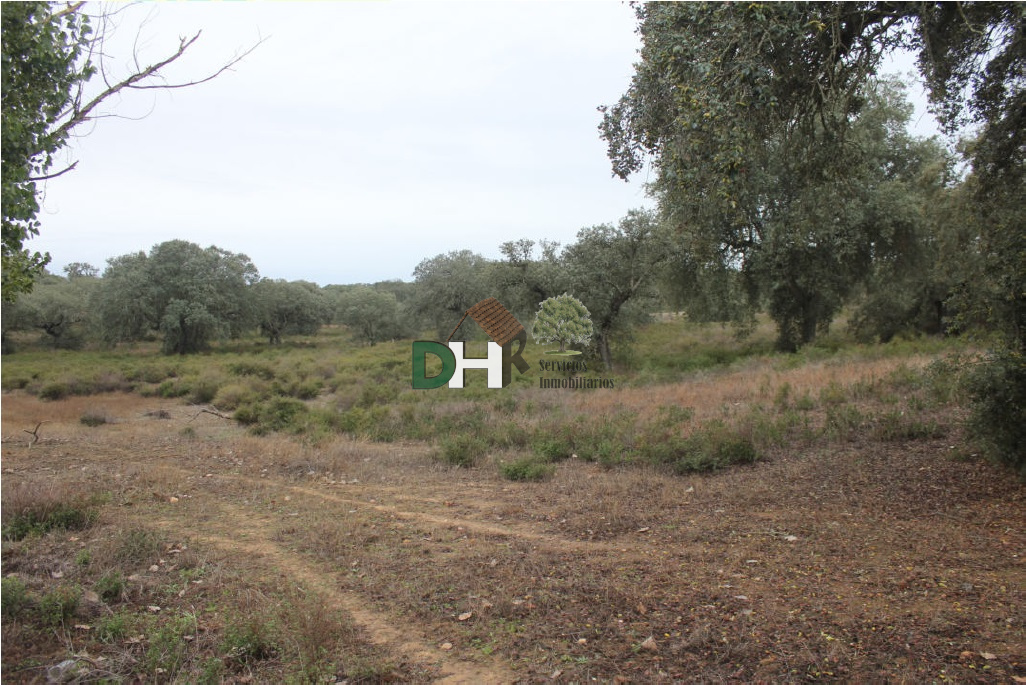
(357, 140)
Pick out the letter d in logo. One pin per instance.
(421, 349)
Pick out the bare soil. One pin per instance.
(859, 562)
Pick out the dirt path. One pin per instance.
(863, 562)
(378, 627)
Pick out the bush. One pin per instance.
(462, 449)
(111, 586)
(204, 390)
(715, 447)
(247, 368)
(14, 597)
(552, 446)
(527, 469)
(93, 419)
(172, 388)
(54, 391)
(277, 414)
(997, 392)
(113, 628)
(58, 605)
(230, 397)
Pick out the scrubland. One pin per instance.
(298, 513)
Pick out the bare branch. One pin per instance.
(82, 113)
(49, 176)
(227, 67)
(218, 414)
(35, 433)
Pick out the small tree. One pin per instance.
(286, 308)
(563, 319)
(370, 314)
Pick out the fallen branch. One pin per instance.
(35, 433)
(218, 414)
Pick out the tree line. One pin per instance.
(896, 238)
(893, 239)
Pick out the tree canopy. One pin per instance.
(191, 295)
(777, 149)
(42, 47)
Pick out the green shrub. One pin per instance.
(833, 394)
(900, 425)
(113, 628)
(249, 639)
(842, 421)
(997, 392)
(14, 597)
(167, 647)
(552, 446)
(714, 447)
(204, 390)
(171, 388)
(15, 382)
(54, 391)
(231, 396)
(58, 605)
(248, 368)
(277, 414)
(377, 393)
(111, 586)
(462, 449)
(527, 469)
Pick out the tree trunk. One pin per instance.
(607, 357)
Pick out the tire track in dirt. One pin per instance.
(411, 642)
(469, 525)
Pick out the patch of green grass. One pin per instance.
(29, 513)
(899, 426)
(249, 638)
(136, 546)
(113, 628)
(168, 649)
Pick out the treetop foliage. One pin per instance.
(41, 50)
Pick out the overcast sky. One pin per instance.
(357, 140)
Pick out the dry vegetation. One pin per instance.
(863, 542)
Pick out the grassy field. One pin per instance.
(724, 514)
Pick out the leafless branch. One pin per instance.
(218, 414)
(227, 67)
(80, 113)
(35, 433)
(49, 176)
